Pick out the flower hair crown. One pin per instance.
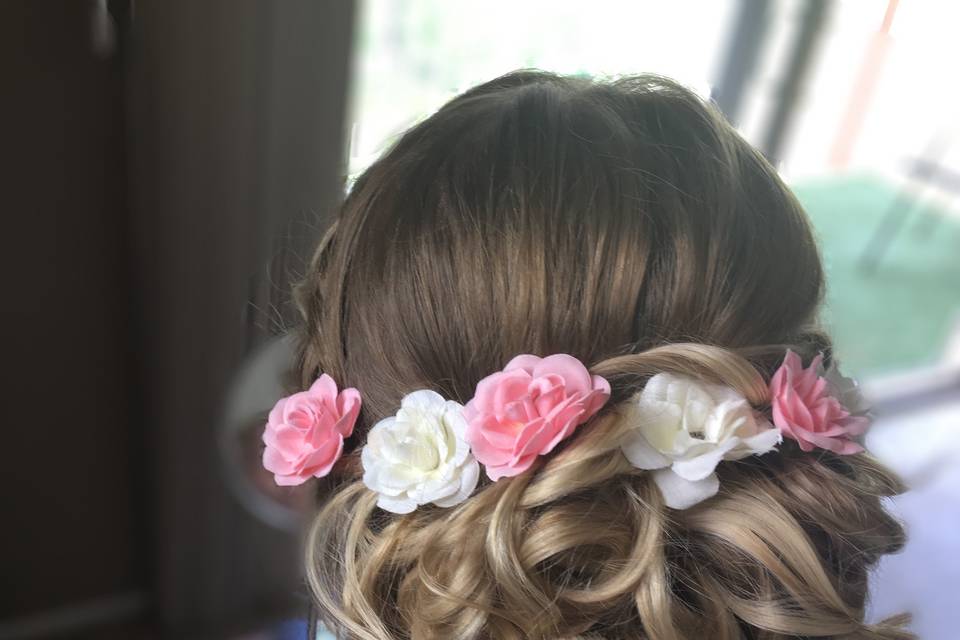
(431, 450)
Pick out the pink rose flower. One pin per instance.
(804, 409)
(528, 408)
(305, 431)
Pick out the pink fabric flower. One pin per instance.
(305, 431)
(528, 408)
(804, 409)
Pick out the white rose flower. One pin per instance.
(684, 428)
(420, 455)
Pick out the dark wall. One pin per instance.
(157, 202)
(71, 501)
(236, 121)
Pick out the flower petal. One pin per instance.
(641, 455)
(762, 442)
(399, 506)
(276, 414)
(324, 393)
(287, 440)
(683, 494)
(348, 404)
(289, 481)
(548, 392)
(660, 422)
(511, 396)
(533, 438)
(322, 460)
(274, 462)
(699, 467)
(486, 450)
(324, 386)
(856, 425)
(845, 390)
(495, 472)
(596, 398)
(728, 417)
(842, 445)
(424, 399)
(486, 397)
(575, 376)
(524, 362)
(435, 489)
(392, 479)
(565, 423)
(469, 476)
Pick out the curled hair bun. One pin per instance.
(626, 224)
(583, 546)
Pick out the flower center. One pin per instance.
(422, 451)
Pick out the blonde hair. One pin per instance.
(624, 223)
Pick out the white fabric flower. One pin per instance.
(684, 428)
(420, 455)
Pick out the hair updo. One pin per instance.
(627, 224)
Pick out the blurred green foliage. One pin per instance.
(900, 316)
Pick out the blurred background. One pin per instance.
(169, 166)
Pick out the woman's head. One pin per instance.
(627, 224)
